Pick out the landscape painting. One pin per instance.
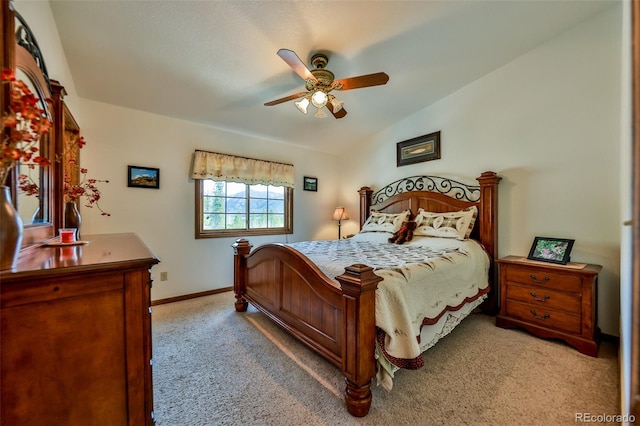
(143, 177)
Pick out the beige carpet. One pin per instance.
(213, 366)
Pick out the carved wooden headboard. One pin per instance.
(438, 194)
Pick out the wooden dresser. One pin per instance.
(550, 300)
(76, 335)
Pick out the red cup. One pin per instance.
(67, 235)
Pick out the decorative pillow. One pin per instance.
(448, 225)
(385, 222)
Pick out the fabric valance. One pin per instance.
(212, 165)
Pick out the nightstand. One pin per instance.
(550, 300)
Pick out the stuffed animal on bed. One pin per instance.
(405, 233)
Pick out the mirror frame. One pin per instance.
(64, 126)
(37, 232)
(15, 56)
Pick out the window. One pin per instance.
(239, 196)
(226, 209)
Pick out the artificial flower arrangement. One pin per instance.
(23, 125)
(86, 187)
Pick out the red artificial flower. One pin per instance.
(7, 75)
(23, 124)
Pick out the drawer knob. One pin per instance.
(545, 279)
(535, 314)
(535, 297)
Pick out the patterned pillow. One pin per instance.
(447, 225)
(385, 222)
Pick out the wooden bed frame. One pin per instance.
(338, 320)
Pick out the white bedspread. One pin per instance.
(422, 279)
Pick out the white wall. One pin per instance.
(165, 218)
(549, 124)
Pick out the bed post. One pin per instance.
(489, 234)
(365, 204)
(358, 285)
(241, 249)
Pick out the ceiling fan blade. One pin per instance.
(286, 99)
(338, 114)
(368, 80)
(290, 57)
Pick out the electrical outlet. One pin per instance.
(164, 276)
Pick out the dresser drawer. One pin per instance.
(47, 289)
(544, 278)
(545, 298)
(550, 318)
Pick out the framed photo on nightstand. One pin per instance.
(554, 250)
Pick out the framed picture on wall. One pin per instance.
(554, 250)
(143, 177)
(417, 150)
(310, 184)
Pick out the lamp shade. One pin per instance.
(340, 214)
(337, 104)
(302, 105)
(320, 113)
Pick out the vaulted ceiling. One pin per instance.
(215, 62)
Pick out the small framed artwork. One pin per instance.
(310, 184)
(554, 250)
(417, 150)
(143, 177)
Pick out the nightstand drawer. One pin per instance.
(545, 298)
(550, 318)
(544, 278)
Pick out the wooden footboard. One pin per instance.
(335, 320)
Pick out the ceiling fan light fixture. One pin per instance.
(320, 113)
(319, 99)
(320, 82)
(302, 105)
(336, 103)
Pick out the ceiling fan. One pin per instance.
(320, 82)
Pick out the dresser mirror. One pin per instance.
(23, 54)
(34, 209)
